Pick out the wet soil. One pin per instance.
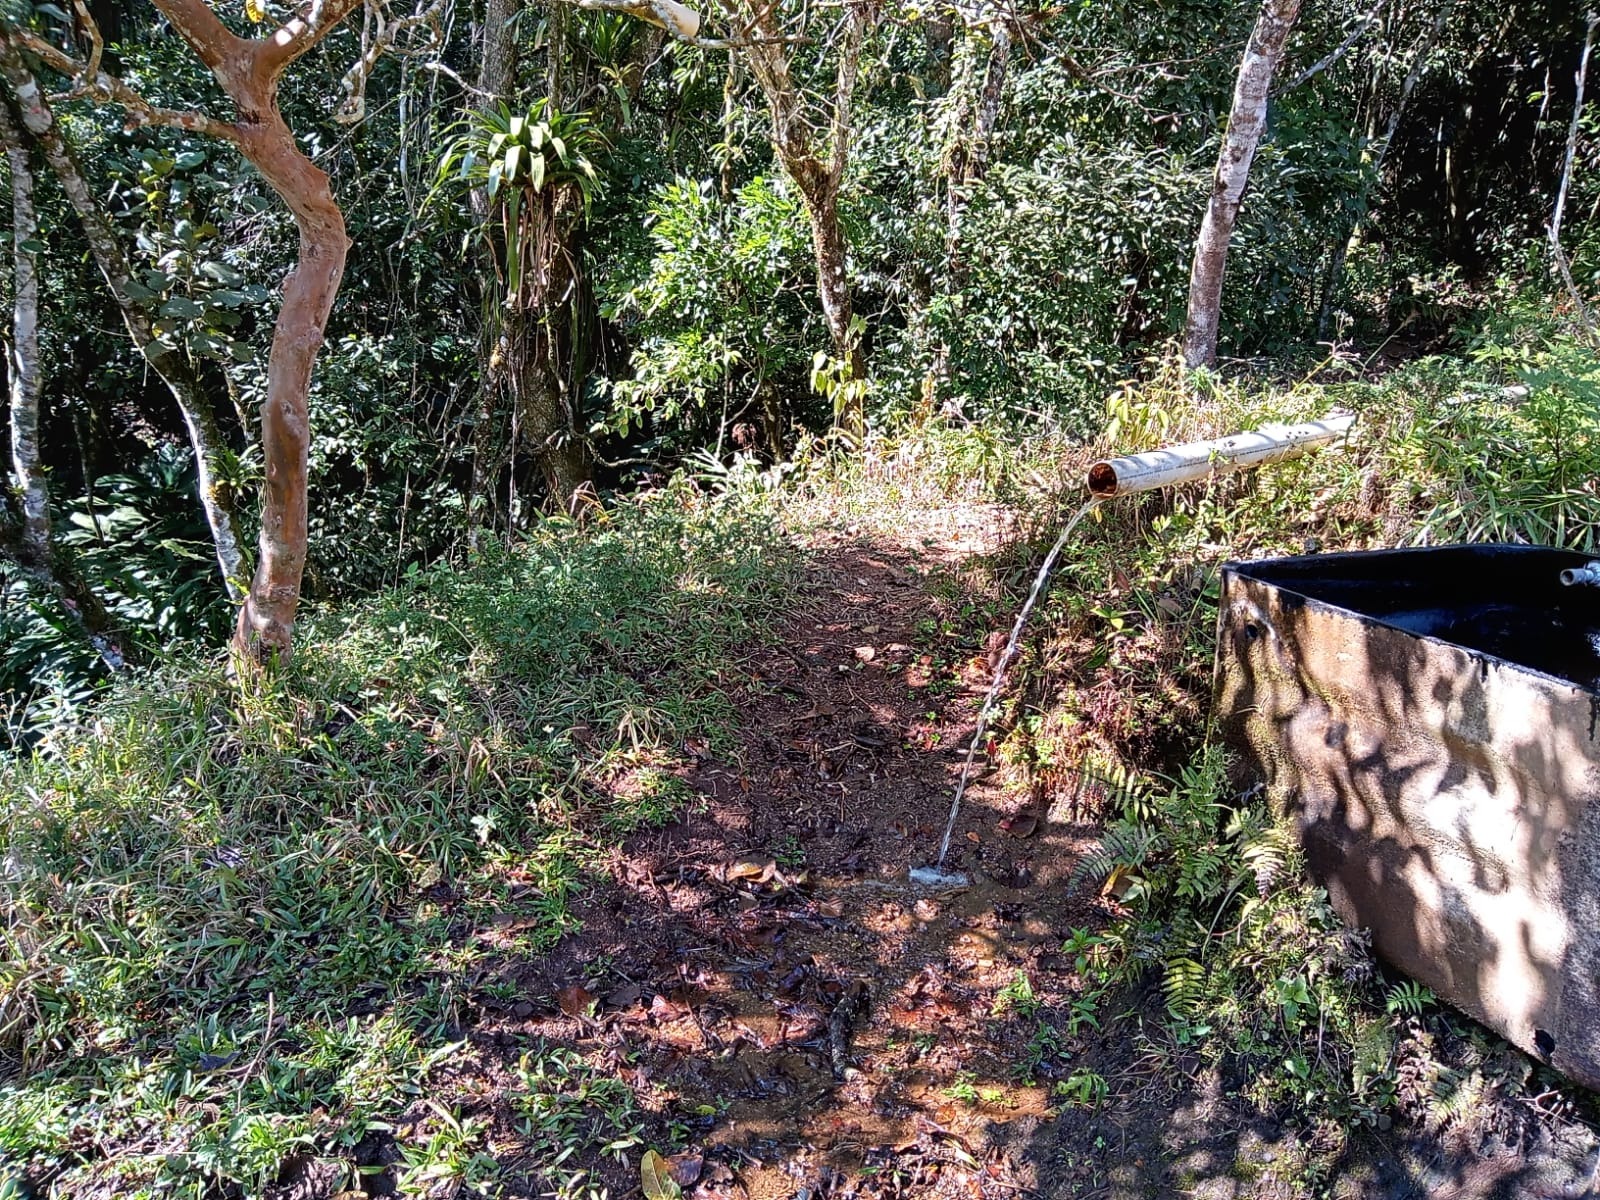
(801, 1021)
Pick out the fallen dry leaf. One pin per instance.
(750, 867)
(655, 1178)
(686, 1168)
(1022, 825)
(624, 997)
(575, 1000)
(866, 653)
(664, 1008)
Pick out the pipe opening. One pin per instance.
(1569, 577)
(1103, 480)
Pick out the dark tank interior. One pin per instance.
(1504, 601)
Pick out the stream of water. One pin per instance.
(1039, 581)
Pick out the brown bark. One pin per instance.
(174, 370)
(497, 73)
(817, 171)
(266, 620)
(1245, 123)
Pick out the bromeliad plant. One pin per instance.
(535, 174)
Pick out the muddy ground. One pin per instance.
(801, 1021)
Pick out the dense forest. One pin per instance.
(584, 247)
(425, 421)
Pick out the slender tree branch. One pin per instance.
(104, 87)
(684, 24)
(1343, 48)
(293, 38)
(1581, 79)
(844, 88)
(216, 45)
(1563, 268)
(97, 44)
(380, 36)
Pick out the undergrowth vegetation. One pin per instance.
(238, 920)
(1256, 975)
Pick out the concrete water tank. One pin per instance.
(1428, 720)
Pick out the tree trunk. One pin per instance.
(969, 156)
(33, 551)
(833, 289)
(27, 473)
(818, 179)
(497, 74)
(497, 80)
(1245, 123)
(994, 86)
(1558, 255)
(174, 370)
(548, 385)
(266, 620)
(546, 422)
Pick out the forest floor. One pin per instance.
(797, 1020)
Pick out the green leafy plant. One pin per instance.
(534, 169)
(1083, 1089)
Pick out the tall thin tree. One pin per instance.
(22, 359)
(1246, 120)
(199, 416)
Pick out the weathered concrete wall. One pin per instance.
(1446, 799)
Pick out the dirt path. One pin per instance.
(763, 971)
(806, 1023)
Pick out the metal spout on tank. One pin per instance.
(1589, 574)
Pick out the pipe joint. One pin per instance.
(1588, 574)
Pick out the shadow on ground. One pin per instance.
(802, 1022)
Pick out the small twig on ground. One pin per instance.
(840, 1022)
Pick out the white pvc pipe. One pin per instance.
(1197, 460)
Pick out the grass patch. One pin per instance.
(237, 923)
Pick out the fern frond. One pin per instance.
(1455, 1094)
(1105, 786)
(1125, 844)
(1183, 986)
(1268, 853)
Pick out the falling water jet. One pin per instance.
(1121, 477)
(935, 875)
